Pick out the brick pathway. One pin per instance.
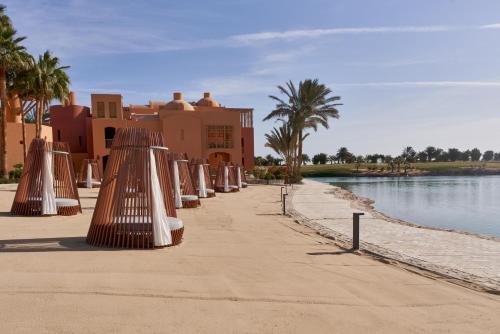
(459, 255)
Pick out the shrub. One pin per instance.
(16, 173)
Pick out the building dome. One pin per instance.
(207, 101)
(178, 103)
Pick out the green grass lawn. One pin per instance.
(436, 168)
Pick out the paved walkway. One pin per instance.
(458, 255)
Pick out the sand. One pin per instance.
(242, 268)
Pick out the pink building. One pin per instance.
(203, 129)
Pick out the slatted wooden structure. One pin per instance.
(28, 198)
(193, 168)
(95, 179)
(219, 178)
(244, 182)
(188, 193)
(124, 214)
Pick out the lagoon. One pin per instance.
(466, 203)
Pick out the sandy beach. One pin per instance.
(242, 268)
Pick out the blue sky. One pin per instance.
(421, 72)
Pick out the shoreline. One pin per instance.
(463, 171)
(460, 257)
(367, 204)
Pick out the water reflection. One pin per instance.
(469, 203)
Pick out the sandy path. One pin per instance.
(242, 268)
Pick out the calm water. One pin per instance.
(468, 203)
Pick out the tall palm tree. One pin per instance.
(12, 56)
(23, 87)
(52, 82)
(304, 108)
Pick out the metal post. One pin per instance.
(281, 196)
(284, 204)
(355, 229)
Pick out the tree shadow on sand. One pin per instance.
(62, 244)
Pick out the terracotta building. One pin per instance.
(14, 144)
(202, 129)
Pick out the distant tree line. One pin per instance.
(408, 155)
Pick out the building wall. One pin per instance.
(183, 133)
(184, 130)
(14, 143)
(69, 124)
(98, 134)
(247, 148)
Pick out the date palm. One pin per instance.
(343, 154)
(281, 141)
(51, 82)
(23, 87)
(13, 56)
(304, 107)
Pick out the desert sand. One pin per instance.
(242, 268)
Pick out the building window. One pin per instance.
(220, 136)
(112, 109)
(58, 135)
(80, 140)
(109, 134)
(100, 109)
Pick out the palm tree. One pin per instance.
(23, 87)
(343, 154)
(332, 159)
(409, 154)
(304, 108)
(280, 141)
(12, 56)
(52, 82)
(431, 153)
(305, 158)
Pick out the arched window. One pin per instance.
(109, 134)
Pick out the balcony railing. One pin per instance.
(108, 142)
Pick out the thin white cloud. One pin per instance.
(490, 26)
(80, 28)
(314, 33)
(422, 84)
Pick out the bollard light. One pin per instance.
(355, 229)
(284, 204)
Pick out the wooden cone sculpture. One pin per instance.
(225, 180)
(185, 195)
(47, 185)
(89, 176)
(244, 182)
(239, 175)
(200, 174)
(135, 207)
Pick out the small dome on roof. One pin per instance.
(178, 103)
(207, 101)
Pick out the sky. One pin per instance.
(409, 72)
